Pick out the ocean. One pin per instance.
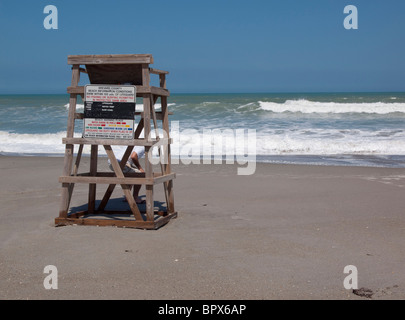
(356, 129)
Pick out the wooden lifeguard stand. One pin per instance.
(115, 70)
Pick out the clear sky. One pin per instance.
(211, 46)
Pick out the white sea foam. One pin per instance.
(292, 145)
(321, 142)
(188, 142)
(78, 106)
(306, 106)
(46, 143)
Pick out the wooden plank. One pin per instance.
(67, 189)
(112, 212)
(117, 142)
(148, 164)
(106, 180)
(113, 175)
(159, 115)
(145, 75)
(93, 172)
(164, 178)
(75, 90)
(75, 171)
(105, 222)
(110, 59)
(139, 129)
(141, 91)
(164, 220)
(153, 90)
(167, 166)
(146, 118)
(162, 81)
(159, 149)
(148, 225)
(72, 102)
(157, 71)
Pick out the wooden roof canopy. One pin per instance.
(120, 69)
(113, 68)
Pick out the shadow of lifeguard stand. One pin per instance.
(117, 70)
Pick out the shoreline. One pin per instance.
(286, 232)
(344, 160)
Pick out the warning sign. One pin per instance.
(109, 111)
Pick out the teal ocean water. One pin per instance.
(365, 129)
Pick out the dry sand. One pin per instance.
(286, 232)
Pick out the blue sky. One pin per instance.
(211, 46)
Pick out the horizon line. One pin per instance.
(252, 92)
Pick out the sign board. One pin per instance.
(109, 111)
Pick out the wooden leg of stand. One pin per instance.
(93, 172)
(66, 188)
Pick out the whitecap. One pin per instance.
(306, 106)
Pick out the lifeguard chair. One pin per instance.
(133, 70)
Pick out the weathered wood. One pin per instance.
(67, 189)
(105, 180)
(139, 129)
(75, 171)
(141, 91)
(110, 59)
(167, 152)
(162, 81)
(105, 222)
(145, 75)
(148, 164)
(80, 214)
(113, 175)
(164, 178)
(72, 102)
(159, 149)
(159, 114)
(157, 71)
(118, 69)
(116, 142)
(93, 172)
(152, 225)
(146, 118)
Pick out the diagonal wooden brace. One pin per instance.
(126, 188)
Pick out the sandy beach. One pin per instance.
(286, 232)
